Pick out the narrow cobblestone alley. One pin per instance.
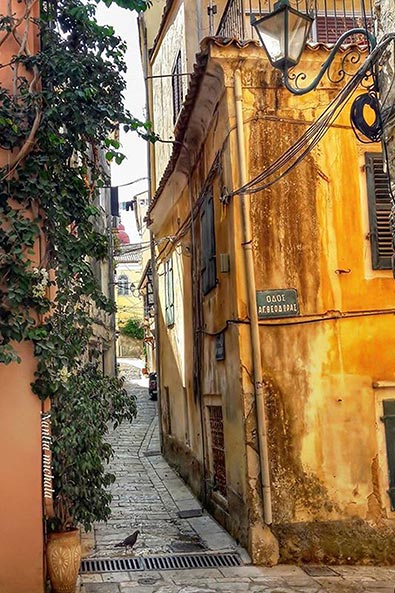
(148, 496)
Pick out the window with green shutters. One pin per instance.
(379, 211)
(207, 229)
(389, 423)
(169, 292)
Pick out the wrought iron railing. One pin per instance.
(331, 17)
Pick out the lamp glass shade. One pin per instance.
(283, 34)
(299, 26)
(271, 31)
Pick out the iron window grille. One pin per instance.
(379, 202)
(332, 18)
(169, 292)
(389, 422)
(218, 449)
(207, 227)
(176, 85)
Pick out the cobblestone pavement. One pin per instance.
(148, 495)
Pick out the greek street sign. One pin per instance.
(282, 302)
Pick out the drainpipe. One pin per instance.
(249, 279)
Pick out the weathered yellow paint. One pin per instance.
(128, 306)
(328, 462)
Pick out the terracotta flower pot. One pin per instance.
(63, 560)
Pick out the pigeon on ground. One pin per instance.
(129, 541)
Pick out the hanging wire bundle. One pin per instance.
(360, 125)
(305, 144)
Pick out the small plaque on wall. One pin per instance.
(281, 302)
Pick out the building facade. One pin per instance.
(276, 410)
(129, 304)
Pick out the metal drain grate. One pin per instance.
(111, 564)
(173, 562)
(320, 571)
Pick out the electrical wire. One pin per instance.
(372, 130)
(304, 145)
(135, 248)
(301, 320)
(315, 132)
(296, 153)
(125, 184)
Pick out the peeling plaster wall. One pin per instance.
(328, 503)
(327, 460)
(180, 412)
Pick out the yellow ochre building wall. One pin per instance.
(130, 305)
(323, 369)
(311, 233)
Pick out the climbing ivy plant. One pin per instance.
(59, 117)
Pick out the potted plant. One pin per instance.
(81, 415)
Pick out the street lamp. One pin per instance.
(135, 291)
(283, 34)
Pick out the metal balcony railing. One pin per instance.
(331, 17)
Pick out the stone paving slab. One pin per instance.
(148, 495)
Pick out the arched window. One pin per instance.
(123, 284)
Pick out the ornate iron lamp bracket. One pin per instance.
(296, 90)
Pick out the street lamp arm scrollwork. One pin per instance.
(296, 90)
(283, 34)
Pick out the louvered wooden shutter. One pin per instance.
(209, 264)
(379, 211)
(389, 423)
(329, 27)
(218, 449)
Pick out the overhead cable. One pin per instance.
(303, 146)
(296, 153)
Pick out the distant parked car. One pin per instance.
(153, 386)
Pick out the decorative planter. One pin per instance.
(63, 560)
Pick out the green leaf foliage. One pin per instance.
(81, 414)
(62, 113)
(133, 328)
